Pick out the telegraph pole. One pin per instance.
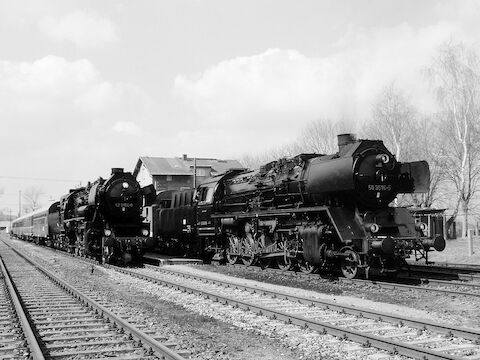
(194, 173)
(19, 203)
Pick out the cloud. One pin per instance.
(43, 85)
(286, 83)
(83, 28)
(276, 80)
(105, 96)
(128, 128)
(272, 95)
(52, 91)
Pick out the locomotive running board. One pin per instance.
(279, 212)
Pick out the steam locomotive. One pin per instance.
(101, 220)
(311, 211)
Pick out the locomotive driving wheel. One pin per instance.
(284, 262)
(349, 264)
(233, 249)
(262, 242)
(248, 250)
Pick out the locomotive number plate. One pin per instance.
(123, 205)
(376, 187)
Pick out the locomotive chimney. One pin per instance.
(117, 171)
(184, 157)
(345, 139)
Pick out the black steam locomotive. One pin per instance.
(102, 220)
(314, 211)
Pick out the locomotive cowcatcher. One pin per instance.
(311, 211)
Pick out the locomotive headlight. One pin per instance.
(421, 226)
(125, 185)
(107, 232)
(372, 227)
(382, 158)
(145, 232)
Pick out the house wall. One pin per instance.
(144, 178)
(172, 182)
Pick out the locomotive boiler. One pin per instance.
(103, 219)
(314, 211)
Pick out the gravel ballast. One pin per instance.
(215, 331)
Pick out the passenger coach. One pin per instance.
(39, 226)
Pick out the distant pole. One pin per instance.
(194, 172)
(445, 234)
(470, 242)
(19, 203)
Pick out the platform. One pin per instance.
(160, 259)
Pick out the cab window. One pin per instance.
(205, 195)
(209, 195)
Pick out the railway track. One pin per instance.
(17, 337)
(435, 286)
(396, 334)
(70, 324)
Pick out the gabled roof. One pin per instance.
(183, 165)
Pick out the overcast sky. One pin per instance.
(90, 85)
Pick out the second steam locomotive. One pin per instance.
(314, 211)
(102, 220)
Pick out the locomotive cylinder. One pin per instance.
(386, 246)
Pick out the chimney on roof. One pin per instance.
(184, 156)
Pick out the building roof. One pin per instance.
(183, 165)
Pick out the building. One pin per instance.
(435, 220)
(177, 173)
(4, 225)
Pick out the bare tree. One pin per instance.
(425, 145)
(320, 137)
(392, 118)
(252, 161)
(31, 196)
(455, 73)
(255, 161)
